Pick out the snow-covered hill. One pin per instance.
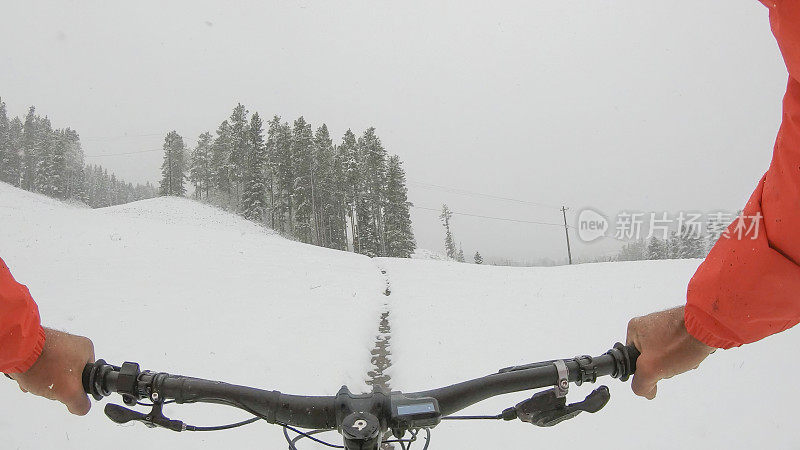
(187, 288)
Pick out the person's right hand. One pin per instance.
(667, 349)
(57, 372)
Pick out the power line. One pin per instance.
(125, 153)
(458, 191)
(505, 219)
(123, 136)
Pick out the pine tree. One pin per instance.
(449, 242)
(200, 168)
(478, 258)
(302, 168)
(9, 158)
(239, 149)
(173, 168)
(460, 254)
(57, 172)
(695, 242)
(400, 241)
(5, 145)
(254, 200)
(367, 243)
(30, 152)
(656, 249)
(105, 188)
(220, 155)
(45, 158)
(351, 182)
(338, 226)
(373, 172)
(73, 179)
(633, 251)
(686, 243)
(326, 220)
(279, 151)
(113, 190)
(11, 167)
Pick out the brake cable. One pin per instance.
(166, 402)
(223, 427)
(405, 444)
(501, 416)
(211, 428)
(303, 435)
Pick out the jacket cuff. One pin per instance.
(706, 329)
(36, 351)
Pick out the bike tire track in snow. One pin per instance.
(381, 352)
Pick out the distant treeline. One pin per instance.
(295, 180)
(37, 158)
(686, 243)
(690, 242)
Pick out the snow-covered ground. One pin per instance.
(183, 287)
(453, 321)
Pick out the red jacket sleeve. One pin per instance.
(749, 285)
(21, 334)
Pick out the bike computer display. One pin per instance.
(418, 408)
(414, 412)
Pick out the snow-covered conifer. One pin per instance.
(449, 242)
(373, 173)
(400, 241)
(279, 151)
(200, 166)
(30, 154)
(254, 198)
(302, 168)
(478, 258)
(173, 169)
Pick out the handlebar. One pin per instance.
(619, 362)
(328, 412)
(101, 379)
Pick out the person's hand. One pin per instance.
(667, 349)
(57, 373)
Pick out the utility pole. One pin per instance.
(566, 231)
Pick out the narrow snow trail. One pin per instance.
(381, 354)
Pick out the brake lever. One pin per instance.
(547, 408)
(156, 418)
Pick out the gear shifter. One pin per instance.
(546, 408)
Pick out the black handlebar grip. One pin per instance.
(86, 376)
(633, 355)
(624, 357)
(93, 379)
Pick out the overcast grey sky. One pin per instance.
(610, 104)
